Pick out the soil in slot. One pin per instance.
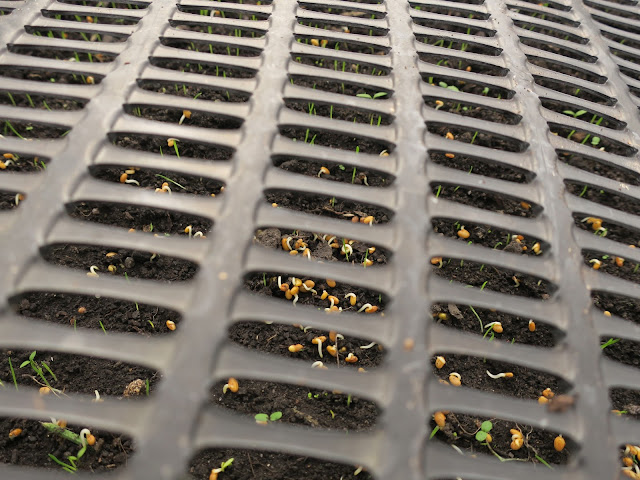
(530, 12)
(368, 14)
(474, 111)
(456, 63)
(63, 54)
(340, 113)
(324, 247)
(604, 197)
(209, 12)
(76, 34)
(175, 116)
(598, 167)
(340, 66)
(29, 130)
(212, 48)
(339, 87)
(195, 91)
(627, 401)
(23, 163)
(92, 19)
(454, 27)
(223, 71)
(40, 75)
(481, 166)
(327, 206)
(342, 26)
(300, 406)
(581, 73)
(35, 443)
(45, 102)
(613, 231)
(515, 329)
(573, 90)
(10, 200)
(336, 140)
(623, 351)
(218, 29)
(151, 220)
(583, 115)
(469, 47)
(600, 143)
(179, 148)
(86, 311)
(557, 33)
(612, 265)
(337, 172)
(483, 89)
(486, 200)
(451, 12)
(341, 45)
(121, 262)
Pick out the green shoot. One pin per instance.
(609, 342)
(485, 428)
(574, 114)
(13, 374)
(477, 316)
(37, 369)
(543, 461)
(102, 326)
(169, 180)
(264, 418)
(433, 432)
(146, 385)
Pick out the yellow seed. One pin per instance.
(324, 295)
(442, 316)
(368, 220)
(295, 348)
(596, 263)
(439, 103)
(90, 80)
(543, 400)
(45, 390)
(111, 254)
(3, 165)
(9, 156)
(559, 443)
(333, 335)
(123, 177)
(351, 358)
(371, 249)
(532, 326)
(449, 136)
(497, 327)
(112, 268)
(324, 170)
(293, 252)
(548, 393)
(331, 283)
(508, 375)
(82, 310)
(332, 350)
(171, 142)
(62, 423)
(440, 362)
(274, 205)
(455, 379)
(367, 262)
(449, 155)
(517, 443)
(294, 290)
(15, 433)
(463, 233)
(320, 339)
(372, 309)
(468, 69)
(284, 287)
(536, 248)
(324, 43)
(489, 438)
(214, 474)
(285, 244)
(436, 260)
(525, 205)
(352, 300)
(171, 325)
(186, 113)
(627, 462)
(91, 440)
(619, 261)
(607, 313)
(333, 299)
(515, 432)
(233, 385)
(315, 42)
(309, 284)
(440, 419)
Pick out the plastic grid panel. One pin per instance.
(167, 437)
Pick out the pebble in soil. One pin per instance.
(154, 179)
(71, 373)
(88, 311)
(525, 383)
(320, 248)
(612, 265)
(266, 284)
(326, 206)
(344, 173)
(35, 443)
(298, 405)
(486, 200)
(275, 339)
(482, 166)
(494, 278)
(461, 429)
(149, 220)
(491, 237)
(269, 466)
(121, 262)
(515, 328)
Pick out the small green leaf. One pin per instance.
(433, 432)
(442, 84)
(595, 140)
(262, 417)
(481, 436)
(568, 112)
(226, 464)
(275, 416)
(580, 112)
(486, 426)
(379, 94)
(363, 95)
(453, 87)
(24, 364)
(33, 355)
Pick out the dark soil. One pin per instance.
(35, 443)
(218, 29)
(196, 119)
(8, 200)
(335, 140)
(148, 143)
(64, 54)
(474, 111)
(40, 75)
(224, 71)
(595, 166)
(338, 87)
(344, 12)
(626, 400)
(467, 65)
(618, 305)
(210, 48)
(374, 32)
(340, 113)
(344, 46)
(565, 52)
(469, 47)
(337, 172)
(136, 5)
(599, 143)
(256, 283)
(486, 200)
(623, 351)
(485, 90)
(588, 117)
(132, 263)
(451, 12)
(561, 34)
(112, 20)
(153, 179)
(604, 197)
(562, 20)
(571, 71)
(320, 247)
(139, 218)
(115, 315)
(40, 101)
(477, 137)
(335, 65)
(195, 92)
(614, 231)
(515, 328)
(222, 13)
(327, 206)
(585, 94)
(482, 166)
(628, 271)
(28, 130)
(268, 466)
(454, 27)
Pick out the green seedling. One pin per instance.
(433, 432)
(574, 114)
(485, 428)
(375, 95)
(264, 418)
(448, 87)
(609, 342)
(35, 366)
(13, 374)
(146, 384)
(82, 439)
